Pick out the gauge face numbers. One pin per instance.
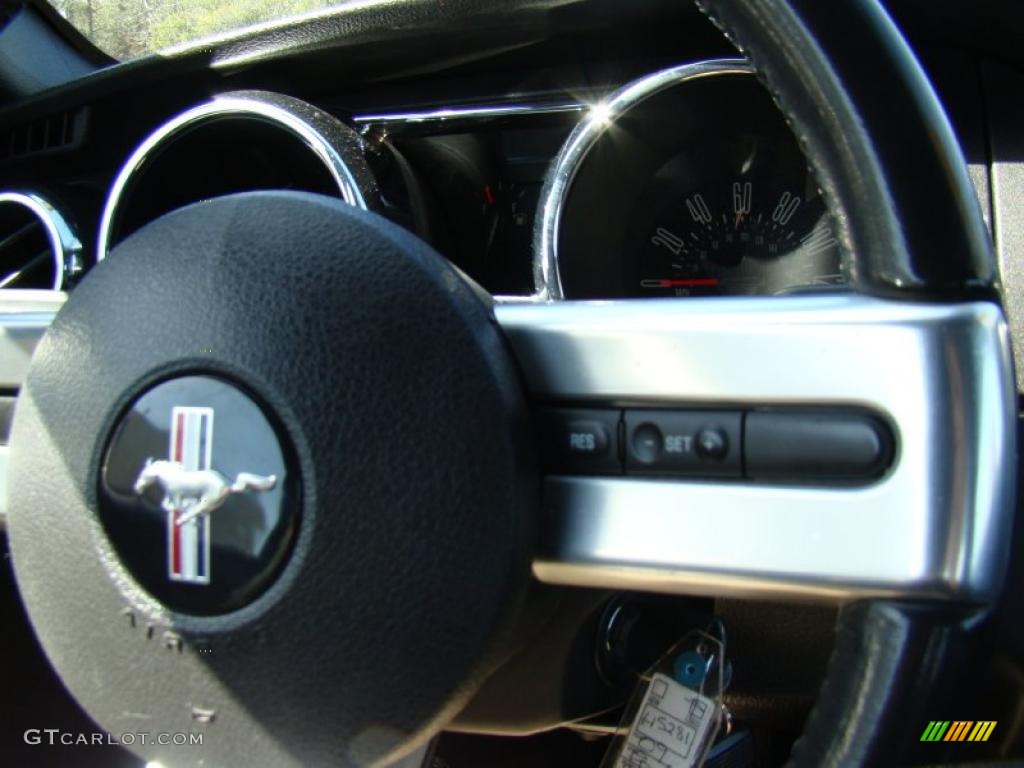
(742, 237)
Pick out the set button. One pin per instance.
(699, 443)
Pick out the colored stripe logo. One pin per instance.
(188, 545)
(958, 730)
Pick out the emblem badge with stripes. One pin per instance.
(192, 489)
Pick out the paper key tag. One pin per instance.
(671, 728)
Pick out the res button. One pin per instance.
(581, 441)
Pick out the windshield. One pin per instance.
(128, 28)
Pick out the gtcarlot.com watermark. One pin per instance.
(55, 736)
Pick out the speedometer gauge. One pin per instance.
(687, 183)
(747, 233)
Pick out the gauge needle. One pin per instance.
(696, 282)
(14, 276)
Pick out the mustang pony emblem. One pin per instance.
(199, 491)
(192, 489)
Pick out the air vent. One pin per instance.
(37, 247)
(54, 133)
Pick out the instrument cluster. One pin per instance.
(684, 183)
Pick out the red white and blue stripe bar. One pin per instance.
(188, 545)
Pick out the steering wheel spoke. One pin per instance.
(24, 318)
(934, 525)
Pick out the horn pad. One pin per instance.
(406, 484)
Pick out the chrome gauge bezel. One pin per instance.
(65, 246)
(601, 116)
(336, 145)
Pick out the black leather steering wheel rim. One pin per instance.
(878, 140)
(890, 167)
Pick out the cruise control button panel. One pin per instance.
(696, 443)
(581, 440)
(803, 445)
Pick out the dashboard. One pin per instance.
(665, 177)
(685, 182)
(654, 166)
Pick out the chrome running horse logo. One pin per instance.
(191, 491)
(200, 491)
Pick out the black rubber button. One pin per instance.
(586, 438)
(816, 446)
(581, 441)
(712, 443)
(647, 441)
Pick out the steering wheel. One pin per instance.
(373, 408)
